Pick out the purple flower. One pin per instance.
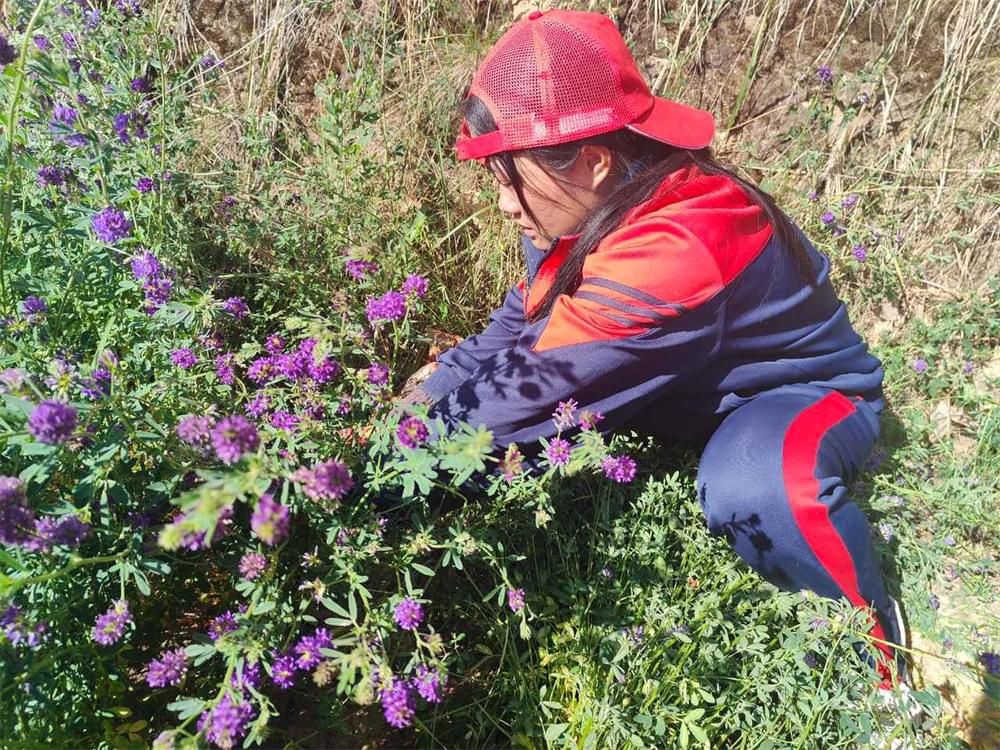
(110, 626)
(236, 307)
(378, 374)
(429, 684)
(17, 630)
(262, 370)
(63, 116)
(357, 268)
(412, 432)
(308, 648)
(810, 660)
(330, 480)
(636, 634)
(949, 540)
(619, 468)
(145, 266)
(558, 452)
(275, 344)
(390, 306)
(42, 42)
(194, 429)
(248, 677)
(252, 565)
(589, 419)
(211, 61)
(564, 416)
(226, 723)
(91, 19)
(222, 624)
(828, 218)
(139, 85)
(224, 368)
(283, 671)
(270, 520)
(819, 623)
(825, 74)
(397, 704)
(934, 601)
(34, 307)
(886, 531)
(323, 371)
(968, 367)
(67, 531)
(8, 53)
(16, 518)
(512, 462)
(184, 358)
(50, 175)
(259, 405)
(52, 422)
(169, 669)
(233, 437)
(129, 7)
(860, 253)
(515, 599)
(110, 225)
(919, 365)
(408, 614)
(991, 662)
(145, 185)
(284, 420)
(813, 196)
(415, 284)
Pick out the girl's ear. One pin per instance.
(597, 164)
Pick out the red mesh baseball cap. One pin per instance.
(561, 75)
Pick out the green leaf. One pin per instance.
(422, 569)
(555, 731)
(187, 707)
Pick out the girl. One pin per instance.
(668, 295)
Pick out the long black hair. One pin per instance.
(649, 162)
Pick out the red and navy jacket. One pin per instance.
(689, 309)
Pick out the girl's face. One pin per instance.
(559, 203)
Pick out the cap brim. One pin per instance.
(676, 124)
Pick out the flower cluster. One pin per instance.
(168, 669)
(52, 422)
(156, 283)
(408, 614)
(329, 480)
(234, 437)
(416, 285)
(358, 268)
(227, 722)
(515, 599)
(270, 520)
(299, 366)
(619, 468)
(184, 358)
(390, 306)
(236, 307)
(558, 452)
(109, 627)
(412, 432)
(110, 225)
(18, 631)
(252, 566)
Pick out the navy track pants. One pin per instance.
(773, 479)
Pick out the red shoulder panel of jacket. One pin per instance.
(672, 253)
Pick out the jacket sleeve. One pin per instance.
(457, 364)
(614, 346)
